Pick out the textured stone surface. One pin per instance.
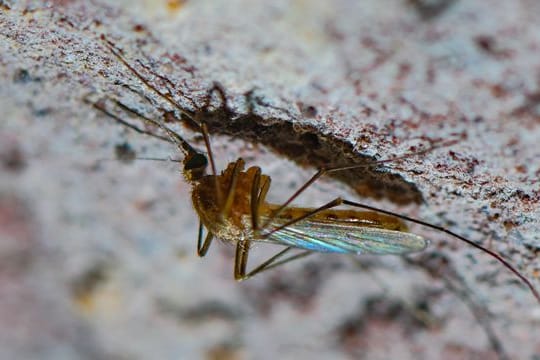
(98, 257)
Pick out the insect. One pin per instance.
(232, 205)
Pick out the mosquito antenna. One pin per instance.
(142, 158)
(174, 136)
(100, 107)
(451, 233)
(169, 159)
(193, 160)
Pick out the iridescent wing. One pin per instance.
(346, 237)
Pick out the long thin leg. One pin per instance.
(272, 262)
(258, 194)
(206, 138)
(232, 188)
(259, 190)
(202, 248)
(167, 83)
(329, 170)
(254, 200)
(339, 201)
(451, 233)
(242, 247)
(264, 189)
(218, 88)
(241, 258)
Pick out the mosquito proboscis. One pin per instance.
(232, 205)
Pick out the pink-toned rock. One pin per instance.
(109, 246)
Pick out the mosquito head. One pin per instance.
(195, 165)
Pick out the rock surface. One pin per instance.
(98, 254)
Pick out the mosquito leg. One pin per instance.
(258, 197)
(199, 237)
(206, 137)
(204, 130)
(240, 261)
(144, 95)
(254, 200)
(202, 248)
(218, 88)
(339, 201)
(259, 189)
(273, 263)
(327, 170)
(265, 179)
(453, 234)
(229, 199)
(168, 83)
(238, 165)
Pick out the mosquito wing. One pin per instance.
(345, 237)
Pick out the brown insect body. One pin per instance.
(236, 224)
(209, 203)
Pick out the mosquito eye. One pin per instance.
(196, 161)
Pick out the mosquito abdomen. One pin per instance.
(361, 218)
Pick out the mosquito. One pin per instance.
(231, 205)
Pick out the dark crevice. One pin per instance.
(307, 147)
